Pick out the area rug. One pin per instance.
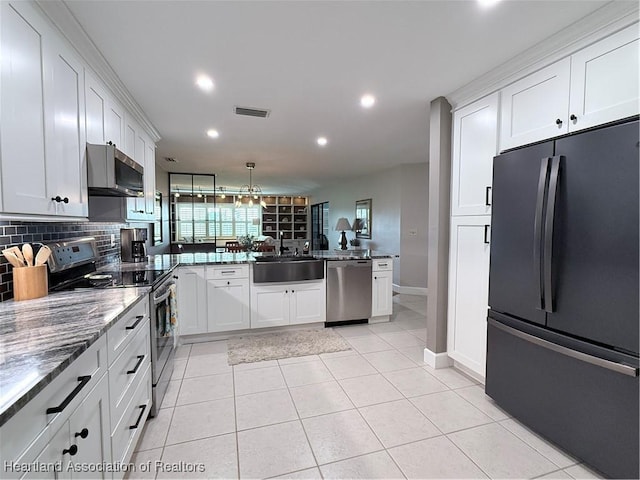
(273, 346)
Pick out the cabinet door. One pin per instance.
(192, 300)
(307, 303)
(228, 304)
(468, 291)
(269, 306)
(604, 80)
(136, 205)
(536, 107)
(24, 185)
(65, 130)
(475, 143)
(96, 106)
(53, 454)
(382, 293)
(114, 124)
(90, 431)
(150, 179)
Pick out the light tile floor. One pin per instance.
(376, 411)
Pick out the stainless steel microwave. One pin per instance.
(112, 173)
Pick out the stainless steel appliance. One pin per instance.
(348, 291)
(562, 338)
(133, 244)
(162, 339)
(110, 172)
(72, 266)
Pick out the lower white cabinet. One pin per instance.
(280, 304)
(192, 300)
(227, 298)
(468, 291)
(382, 287)
(83, 440)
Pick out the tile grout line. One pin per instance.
(235, 415)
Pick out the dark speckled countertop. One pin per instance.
(39, 338)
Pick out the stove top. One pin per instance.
(112, 279)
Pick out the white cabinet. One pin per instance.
(475, 143)
(604, 80)
(192, 300)
(114, 124)
(595, 85)
(228, 297)
(150, 180)
(280, 304)
(83, 440)
(536, 107)
(96, 107)
(43, 171)
(468, 291)
(382, 287)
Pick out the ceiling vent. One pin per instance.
(170, 160)
(252, 112)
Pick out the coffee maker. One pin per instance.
(133, 244)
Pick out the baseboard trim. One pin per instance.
(437, 360)
(409, 290)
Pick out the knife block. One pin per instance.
(30, 282)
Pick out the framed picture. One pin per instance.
(362, 223)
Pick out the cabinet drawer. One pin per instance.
(382, 264)
(129, 428)
(29, 423)
(120, 334)
(126, 371)
(227, 271)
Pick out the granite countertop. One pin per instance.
(39, 338)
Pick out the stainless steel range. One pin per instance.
(72, 266)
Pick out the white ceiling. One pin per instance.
(308, 62)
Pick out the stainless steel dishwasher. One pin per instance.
(348, 291)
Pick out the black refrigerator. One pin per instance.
(563, 322)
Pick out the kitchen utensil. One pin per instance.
(18, 253)
(27, 253)
(12, 258)
(43, 255)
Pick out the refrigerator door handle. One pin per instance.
(554, 174)
(537, 231)
(583, 357)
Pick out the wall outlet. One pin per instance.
(113, 239)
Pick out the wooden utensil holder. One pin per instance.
(30, 282)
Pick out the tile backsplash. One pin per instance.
(17, 233)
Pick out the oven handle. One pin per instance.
(161, 298)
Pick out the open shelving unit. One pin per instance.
(286, 214)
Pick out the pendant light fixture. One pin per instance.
(253, 192)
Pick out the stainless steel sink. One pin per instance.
(287, 269)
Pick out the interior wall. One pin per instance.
(386, 189)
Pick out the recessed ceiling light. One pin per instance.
(487, 3)
(322, 141)
(213, 133)
(367, 101)
(204, 82)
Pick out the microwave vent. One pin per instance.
(252, 112)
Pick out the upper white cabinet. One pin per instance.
(536, 107)
(475, 143)
(114, 124)
(595, 85)
(604, 80)
(65, 131)
(43, 169)
(96, 105)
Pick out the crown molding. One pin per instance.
(63, 19)
(605, 21)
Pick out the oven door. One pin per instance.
(162, 328)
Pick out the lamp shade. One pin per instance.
(343, 224)
(358, 225)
